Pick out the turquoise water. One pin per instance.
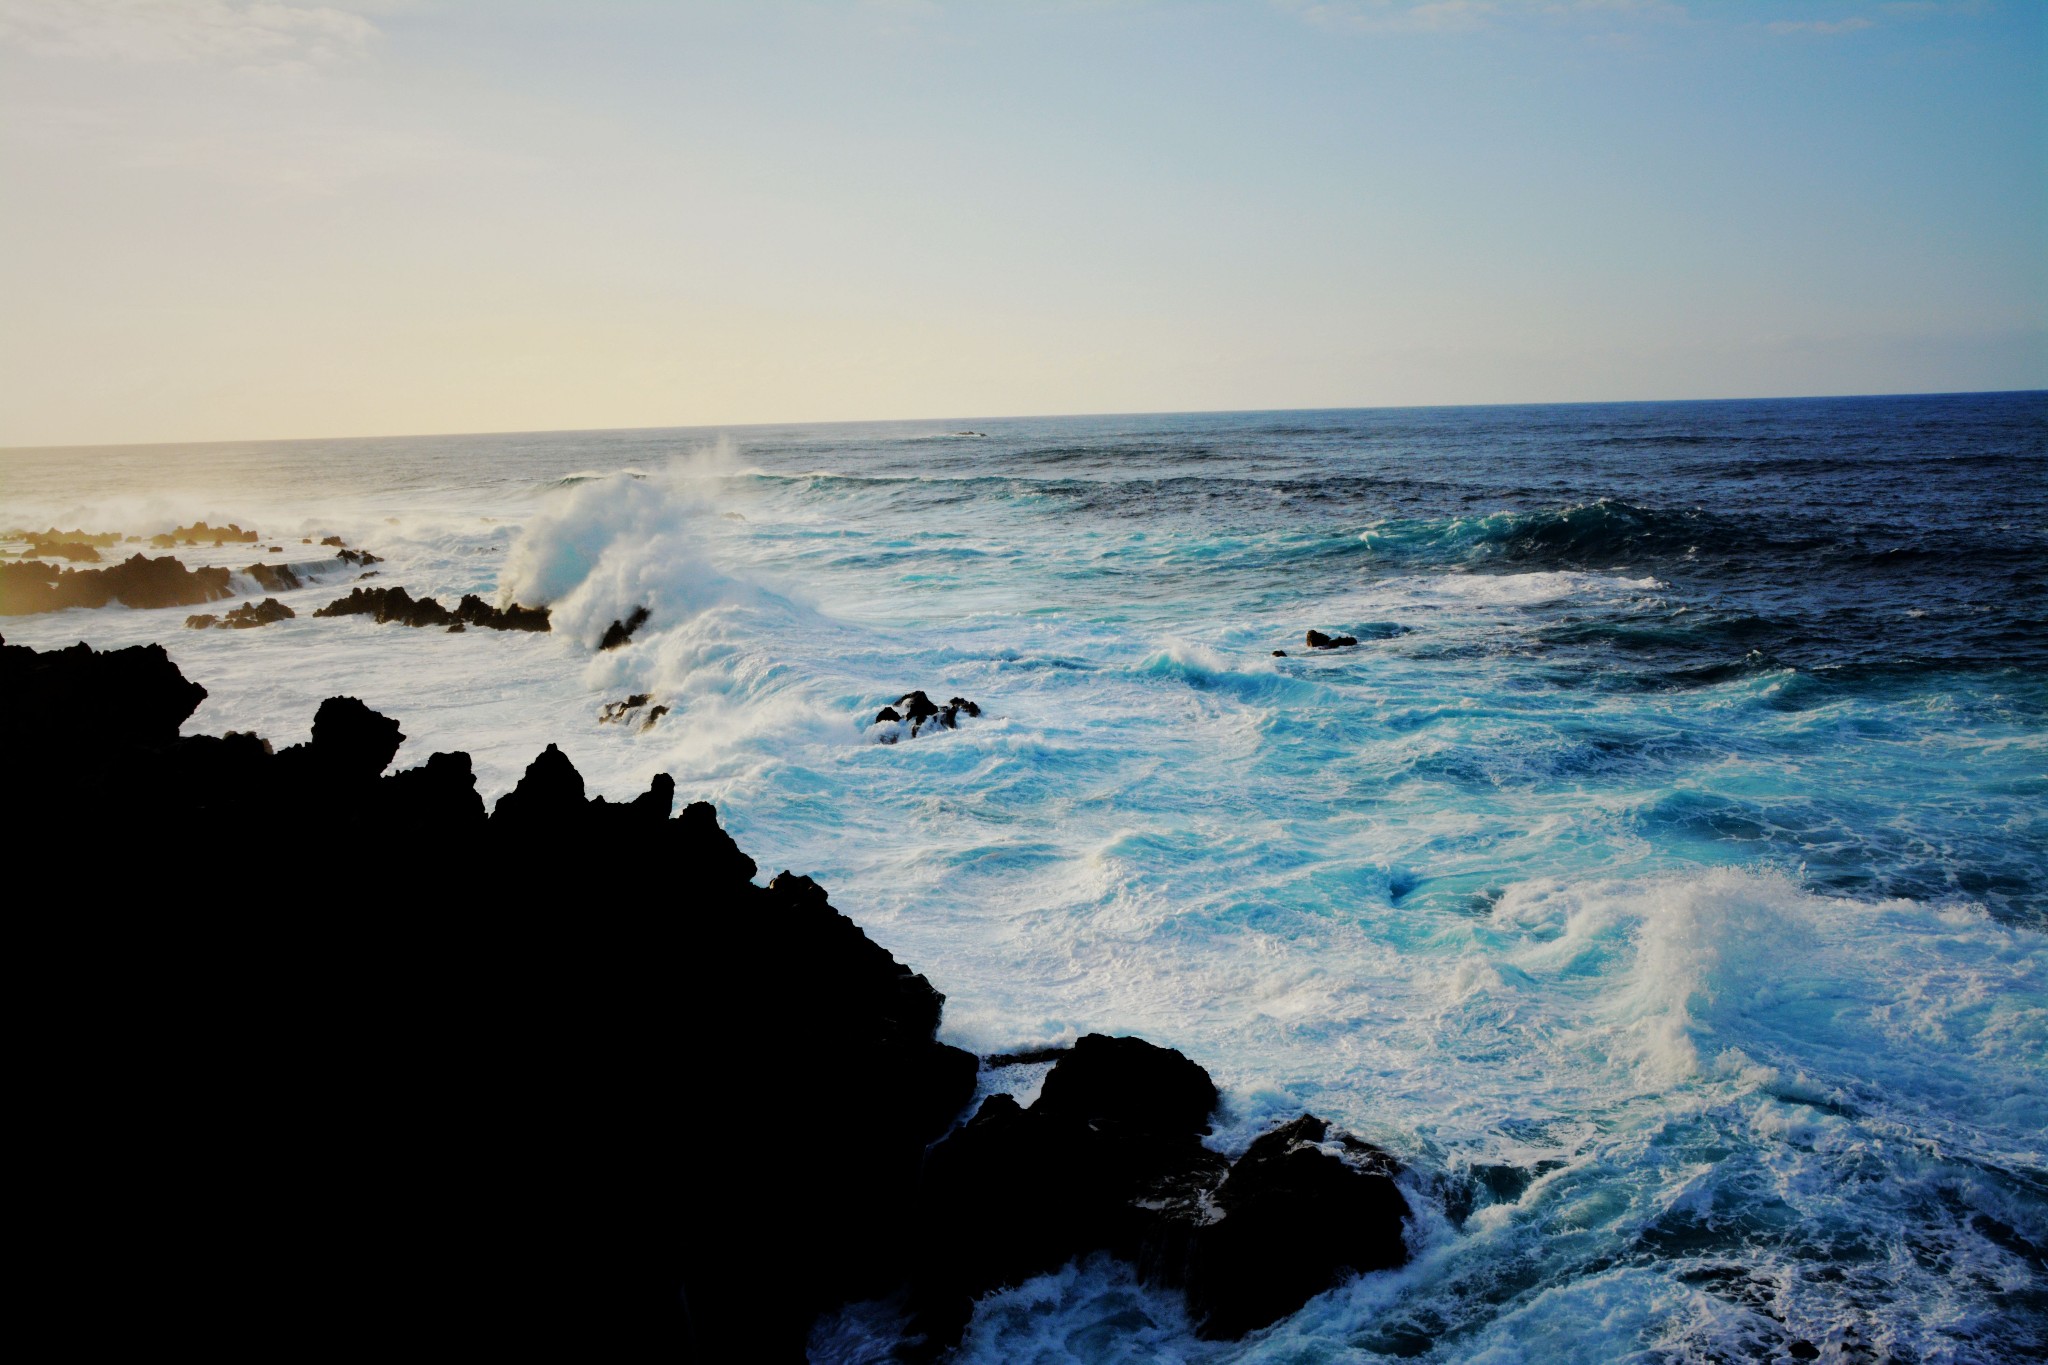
(1663, 875)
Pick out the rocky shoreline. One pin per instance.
(560, 1071)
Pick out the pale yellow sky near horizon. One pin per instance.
(230, 220)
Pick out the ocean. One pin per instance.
(1662, 876)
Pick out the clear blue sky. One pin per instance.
(226, 219)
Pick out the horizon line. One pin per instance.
(1005, 417)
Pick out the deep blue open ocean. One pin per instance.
(1663, 876)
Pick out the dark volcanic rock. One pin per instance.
(1129, 1081)
(477, 612)
(1318, 640)
(433, 799)
(136, 698)
(387, 605)
(46, 542)
(274, 577)
(560, 1079)
(914, 712)
(551, 793)
(1113, 1139)
(245, 616)
(1109, 1159)
(199, 533)
(395, 604)
(363, 557)
(135, 582)
(75, 551)
(619, 632)
(617, 712)
(256, 614)
(1296, 1220)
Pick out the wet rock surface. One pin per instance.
(621, 632)
(248, 615)
(396, 605)
(634, 708)
(274, 577)
(1109, 1158)
(914, 713)
(32, 586)
(1317, 640)
(199, 533)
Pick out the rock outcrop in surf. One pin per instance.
(31, 586)
(395, 604)
(199, 533)
(246, 616)
(634, 707)
(621, 632)
(913, 713)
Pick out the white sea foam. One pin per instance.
(1429, 887)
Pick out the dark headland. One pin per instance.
(330, 1058)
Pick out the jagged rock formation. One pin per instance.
(54, 537)
(619, 632)
(245, 616)
(914, 712)
(33, 586)
(274, 577)
(1318, 640)
(554, 1078)
(617, 712)
(395, 604)
(1109, 1158)
(199, 533)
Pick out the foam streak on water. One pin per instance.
(1663, 875)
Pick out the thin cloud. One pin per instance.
(1466, 16)
(255, 35)
(1821, 26)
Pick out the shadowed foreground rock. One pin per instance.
(327, 1057)
(1109, 1158)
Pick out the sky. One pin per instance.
(231, 220)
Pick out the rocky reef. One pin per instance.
(32, 586)
(387, 605)
(246, 616)
(199, 533)
(337, 1054)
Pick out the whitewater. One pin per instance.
(1662, 876)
